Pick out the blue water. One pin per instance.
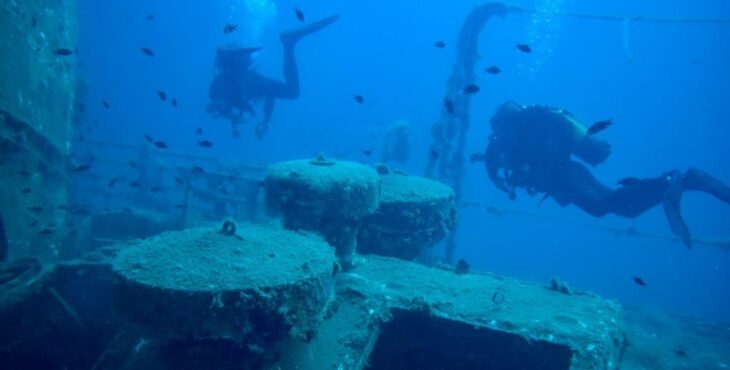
(669, 103)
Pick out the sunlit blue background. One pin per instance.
(670, 106)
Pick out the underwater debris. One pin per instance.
(493, 70)
(524, 48)
(498, 297)
(228, 28)
(639, 281)
(20, 269)
(449, 105)
(229, 228)
(560, 286)
(439, 44)
(67, 307)
(462, 267)
(64, 52)
(321, 160)
(471, 89)
(599, 126)
(382, 169)
(299, 14)
(147, 51)
(359, 99)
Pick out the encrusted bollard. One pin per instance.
(415, 214)
(326, 196)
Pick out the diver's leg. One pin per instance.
(587, 193)
(289, 39)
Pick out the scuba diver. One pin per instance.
(533, 147)
(237, 86)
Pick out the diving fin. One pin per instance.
(698, 180)
(673, 209)
(296, 34)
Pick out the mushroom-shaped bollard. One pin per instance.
(247, 283)
(415, 214)
(330, 197)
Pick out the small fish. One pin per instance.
(439, 44)
(150, 17)
(228, 28)
(162, 95)
(134, 184)
(434, 154)
(359, 99)
(493, 70)
(82, 168)
(181, 206)
(300, 14)
(599, 126)
(35, 209)
(63, 52)
(155, 189)
(24, 173)
(46, 232)
(639, 281)
(471, 89)
(132, 164)
(112, 182)
(628, 181)
(26, 191)
(161, 145)
(105, 104)
(147, 51)
(205, 143)
(179, 181)
(198, 131)
(367, 152)
(449, 105)
(173, 102)
(680, 352)
(149, 138)
(524, 48)
(33, 223)
(197, 170)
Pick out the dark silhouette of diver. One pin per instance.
(237, 86)
(533, 147)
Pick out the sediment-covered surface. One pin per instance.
(414, 214)
(255, 286)
(402, 315)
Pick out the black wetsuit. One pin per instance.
(237, 87)
(531, 148)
